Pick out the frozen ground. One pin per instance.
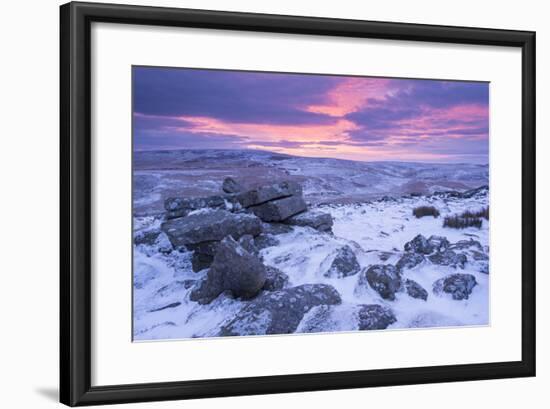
(376, 230)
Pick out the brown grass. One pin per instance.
(457, 222)
(422, 211)
(482, 213)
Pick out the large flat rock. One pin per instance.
(266, 193)
(280, 209)
(280, 312)
(314, 219)
(210, 226)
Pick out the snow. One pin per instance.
(371, 229)
(376, 230)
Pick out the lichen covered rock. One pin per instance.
(459, 285)
(279, 312)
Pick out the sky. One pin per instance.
(357, 118)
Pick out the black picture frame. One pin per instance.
(75, 203)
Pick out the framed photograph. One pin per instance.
(257, 204)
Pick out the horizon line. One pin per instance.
(134, 150)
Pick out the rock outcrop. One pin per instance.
(198, 224)
(269, 193)
(344, 263)
(415, 290)
(234, 270)
(279, 312)
(203, 231)
(385, 279)
(210, 226)
(375, 316)
(459, 285)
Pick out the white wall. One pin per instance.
(29, 202)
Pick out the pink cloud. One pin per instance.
(449, 122)
(352, 94)
(337, 131)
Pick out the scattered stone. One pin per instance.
(385, 279)
(230, 185)
(146, 237)
(314, 219)
(477, 192)
(420, 245)
(172, 305)
(280, 209)
(344, 264)
(475, 252)
(275, 279)
(449, 258)
(410, 260)
(210, 226)
(439, 243)
(458, 285)
(279, 312)
(415, 290)
(267, 193)
(375, 316)
(233, 269)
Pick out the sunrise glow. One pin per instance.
(359, 118)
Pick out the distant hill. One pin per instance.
(160, 174)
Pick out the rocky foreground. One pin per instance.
(255, 261)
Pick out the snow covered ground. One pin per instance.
(161, 174)
(376, 230)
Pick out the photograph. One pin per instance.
(270, 203)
